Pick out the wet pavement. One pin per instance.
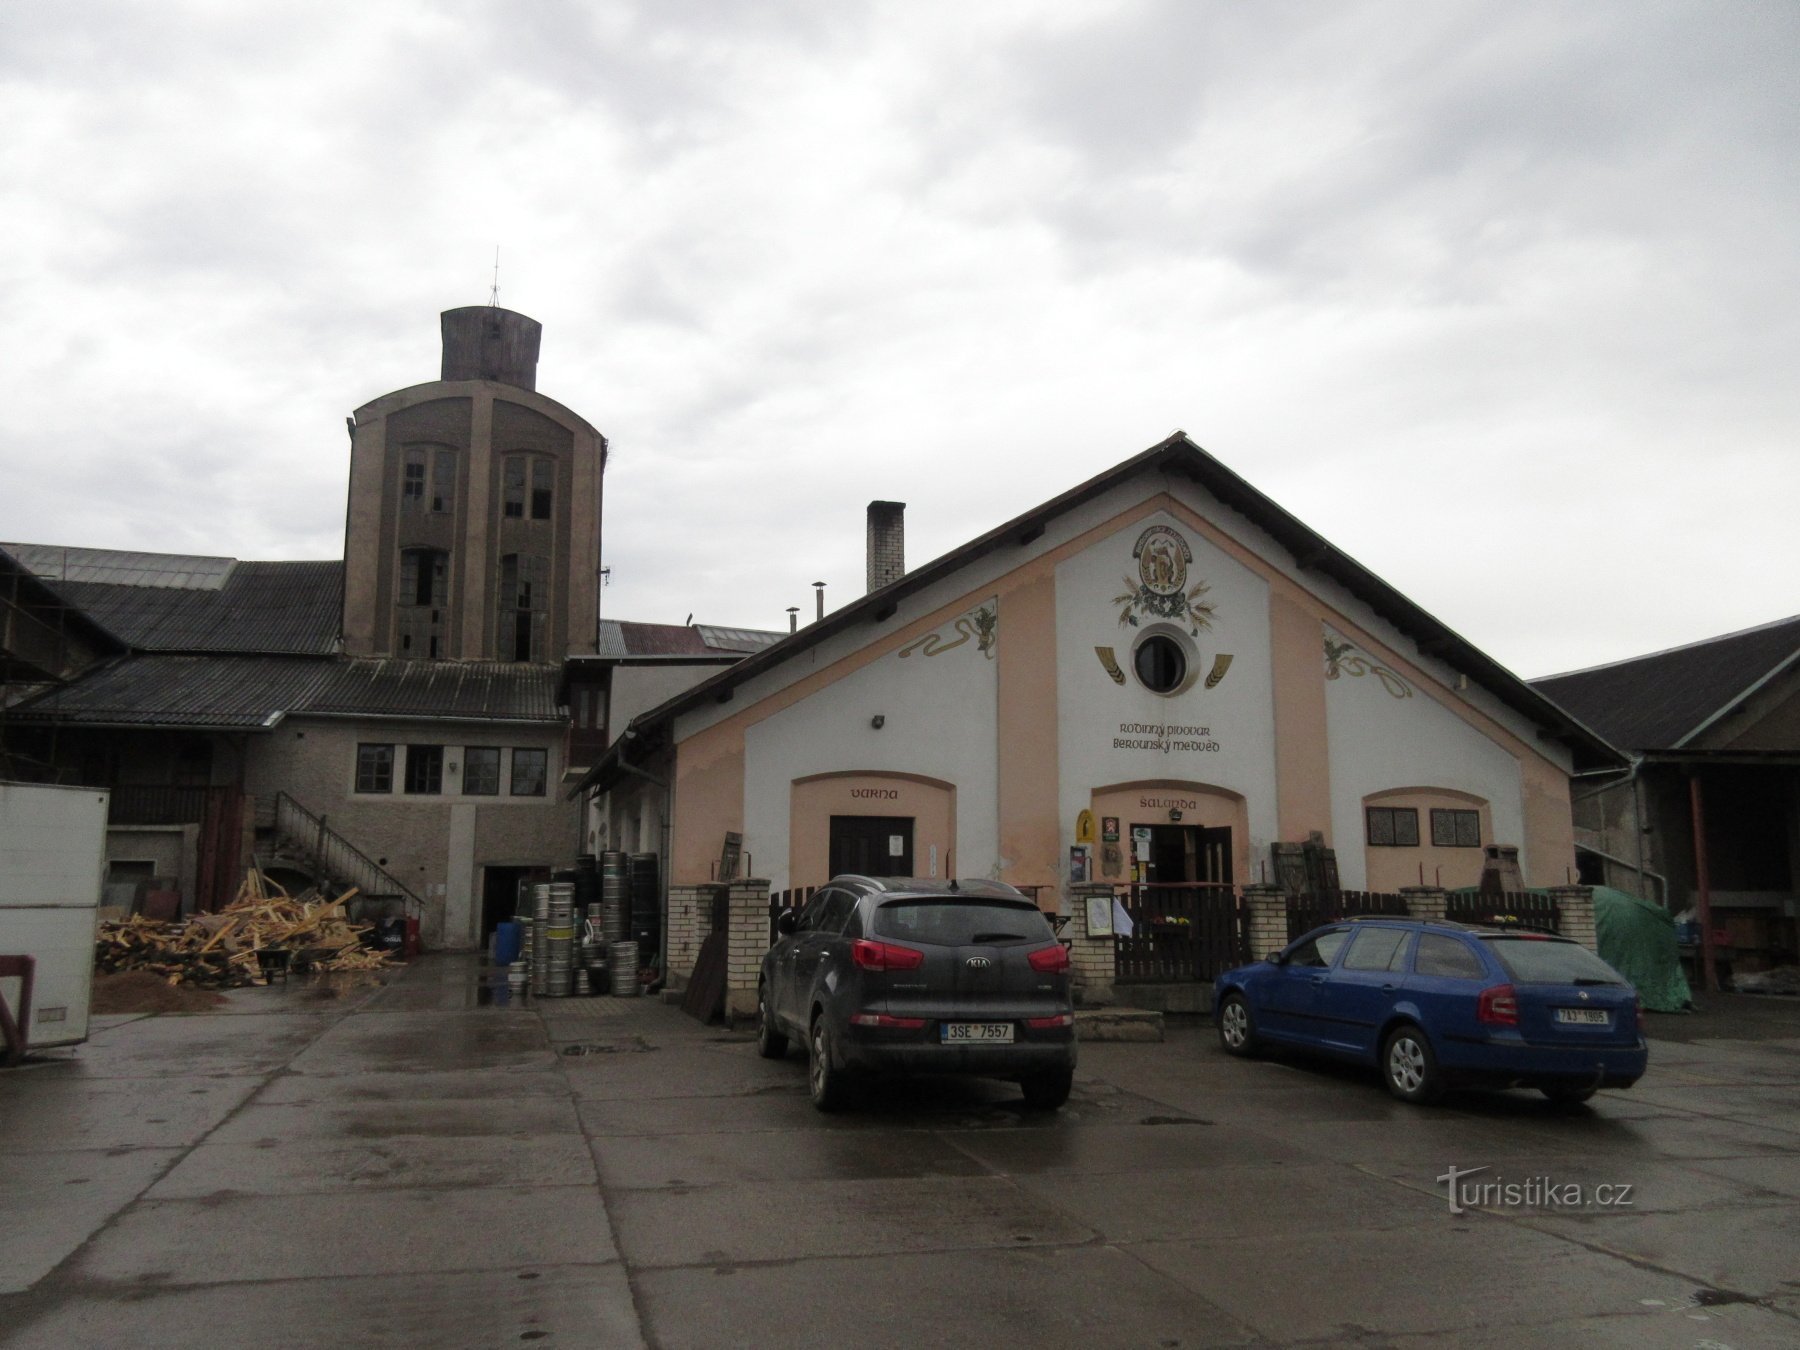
(410, 1164)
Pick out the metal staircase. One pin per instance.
(335, 863)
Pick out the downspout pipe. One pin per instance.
(626, 766)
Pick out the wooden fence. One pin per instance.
(1520, 909)
(1307, 912)
(1180, 932)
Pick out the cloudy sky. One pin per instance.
(1499, 297)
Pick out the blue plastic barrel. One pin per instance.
(507, 938)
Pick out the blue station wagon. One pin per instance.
(1434, 1005)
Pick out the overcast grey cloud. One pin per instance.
(1498, 297)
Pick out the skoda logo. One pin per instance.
(980, 963)
(1582, 996)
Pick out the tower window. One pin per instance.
(543, 479)
(443, 482)
(524, 606)
(412, 481)
(513, 487)
(424, 577)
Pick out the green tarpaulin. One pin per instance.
(1637, 939)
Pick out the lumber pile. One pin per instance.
(264, 930)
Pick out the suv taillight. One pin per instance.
(1050, 960)
(1498, 1007)
(885, 956)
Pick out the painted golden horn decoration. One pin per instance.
(1221, 664)
(1112, 666)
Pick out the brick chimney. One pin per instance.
(887, 543)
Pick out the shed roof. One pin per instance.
(164, 602)
(220, 692)
(1662, 700)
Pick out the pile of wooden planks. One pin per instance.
(262, 931)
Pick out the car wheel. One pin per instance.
(1567, 1094)
(826, 1084)
(770, 1043)
(1047, 1091)
(1237, 1033)
(1409, 1067)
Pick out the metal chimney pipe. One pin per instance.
(793, 618)
(819, 591)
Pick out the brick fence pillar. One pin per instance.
(1091, 954)
(747, 906)
(1267, 906)
(690, 920)
(1425, 902)
(1575, 914)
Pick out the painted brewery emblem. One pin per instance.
(1162, 558)
(1161, 590)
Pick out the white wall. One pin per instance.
(1238, 714)
(940, 723)
(1381, 741)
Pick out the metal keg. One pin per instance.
(615, 895)
(624, 962)
(540, 938)
(559, 946)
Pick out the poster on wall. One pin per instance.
(1109, 829)
(1099, 916)
(1078, 864)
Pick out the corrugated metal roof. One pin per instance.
(181, 691)
(274, 608)
(622, 639)
(177, 571)
(736, 639)
(1654, 702)
(255, 691)
(500, 690)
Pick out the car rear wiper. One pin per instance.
(1579, 980)
(998, 937)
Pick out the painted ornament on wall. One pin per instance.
(1342, 658)
(1161, 590)
(1162, 598)
(980, 625)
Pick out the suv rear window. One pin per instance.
(1542, 961)
(943, 921)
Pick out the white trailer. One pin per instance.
(52, 865)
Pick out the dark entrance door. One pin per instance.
(500, 893)
(1190, 853)
(872, 846)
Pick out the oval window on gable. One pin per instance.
(1160, 663)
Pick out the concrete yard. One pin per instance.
(400, 1164)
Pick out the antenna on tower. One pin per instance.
(494, 290)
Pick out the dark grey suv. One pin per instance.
(903, 975)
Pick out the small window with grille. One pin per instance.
(1393, 826)
(1455, 829)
